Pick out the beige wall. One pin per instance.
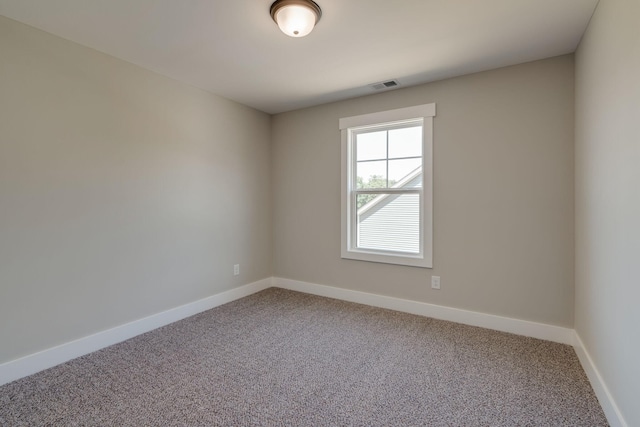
(608, 199)
(122, 193)
(503, 194)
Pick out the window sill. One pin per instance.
(406, 260)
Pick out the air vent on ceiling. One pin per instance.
(385, 85)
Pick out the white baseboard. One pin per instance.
(28, 365)
(15, 369)
(611, 410)
(489, 321)
(473, 318)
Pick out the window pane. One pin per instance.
(363, 200)
(389, 223)
(405, 142)
(371, 174)
(371, 145)
(400, 170)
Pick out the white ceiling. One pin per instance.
(234, 49)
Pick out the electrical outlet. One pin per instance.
(236, 269)
(435, 282)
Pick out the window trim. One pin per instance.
(426, 112)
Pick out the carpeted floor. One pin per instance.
(282, 358)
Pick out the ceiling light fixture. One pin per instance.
(296, 18)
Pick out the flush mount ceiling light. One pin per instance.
(296, 18)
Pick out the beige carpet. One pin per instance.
(282, 358)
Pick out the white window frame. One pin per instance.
(350, 125)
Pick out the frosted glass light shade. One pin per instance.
(296, 18)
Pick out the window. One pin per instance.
(387, 186)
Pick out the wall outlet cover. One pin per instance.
(435, 282)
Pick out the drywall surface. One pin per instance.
(122, 193)
(608, 199)
(503, 194)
